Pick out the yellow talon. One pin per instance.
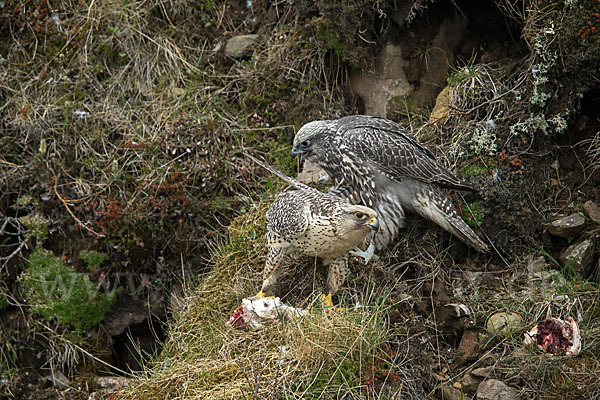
(326, 300)
(263, 295)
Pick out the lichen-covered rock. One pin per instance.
(578, 256)
(240, 46)
(503, 323)
(567, 226)
(493, 389)
(440, 111)
(592, 210)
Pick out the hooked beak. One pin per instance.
(296, 151)
(374, 224)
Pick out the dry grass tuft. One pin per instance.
(345, 353)
(129, 124)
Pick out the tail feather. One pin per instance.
(435, 205)
(289, 180)
(464, 232)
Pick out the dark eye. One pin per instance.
(306, 143)
(360, 215)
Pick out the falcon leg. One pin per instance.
(367, 255)
(326, 300)
(272, 269)
(338, 269)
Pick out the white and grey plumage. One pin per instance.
(376, 162)
(316, 224)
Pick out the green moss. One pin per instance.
(473, 170)
(331, 38)
(473, 214)
(460, 75)
(55, 290)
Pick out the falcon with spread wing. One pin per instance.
(376, 162)
(316, 224)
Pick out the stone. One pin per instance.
(388, 80)
(240, 46)
(58, 378)
(578, 256)
(592, 210)
(567, 226)
(470, 383)
(493, 389)
(483, 372)
(449, 392)
(537, 264)
(504, 323)
(112, 383)
(402, 79)
(452, 318)
(468, 344)
(441, 110)
(177, 92)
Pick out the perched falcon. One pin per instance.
(376, 162)
(316, 224)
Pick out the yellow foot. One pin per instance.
(262, 295)
(326, 300)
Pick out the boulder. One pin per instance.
(567, 226)
(58, 379)
(493, 389)
(240, 46)
(504, 323)
(592, 210)
(578, 256)
(450, 392)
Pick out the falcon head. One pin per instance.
(355, 222)
(311, 140)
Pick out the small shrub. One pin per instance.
(93, 259)
(55, 290)
(36, 225)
